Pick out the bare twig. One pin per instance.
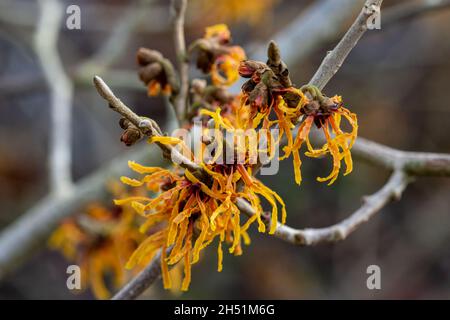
(413, 163)
(45, 41)
(142, 281)
(147, 126)
(392, 190)
(334, 59)
(179, 12)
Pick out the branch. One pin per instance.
(334, 59)
(147, 126)
(180, 103)
(410, 10)
(392, 190)
(45, 43)
(304, 34)
(143, 280)
(116, 43)
(413, 163)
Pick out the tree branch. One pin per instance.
(372, 204)
(115, 44)
(334, 59)
(180, 101)
(143, 280)
(147, 126)
(304, 34)
(46, 46)
(413, 163)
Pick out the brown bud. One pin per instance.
(248, 67)
(130, 136)
(273, 54)
(149, 72)
(205, 59)
(245, 70)
(124, 123)
(145, 56)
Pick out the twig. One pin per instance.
(147, 126)
(413, 163)
(45, 43)
(142, 281)
(334, 59)
(22, 14)
(179, 12)
(392, 190)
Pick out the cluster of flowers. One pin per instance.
(195, 210)
(186, 211)
(100, 240)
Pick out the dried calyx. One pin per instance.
(209, 97)
(266, 80)
(318, 106)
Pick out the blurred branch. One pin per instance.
(18, 84)
(116, 43)
(143, 280)
(179, 12)
(147, 126)
(46, 47)
(405, 165)
(410, 10)
(335, 58)
(304, 34)
(103, 15)
(392, 190)
(413, 163)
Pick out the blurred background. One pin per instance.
(396, 80)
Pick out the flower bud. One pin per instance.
(149, 72)
(130, 136)
(145, 56)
